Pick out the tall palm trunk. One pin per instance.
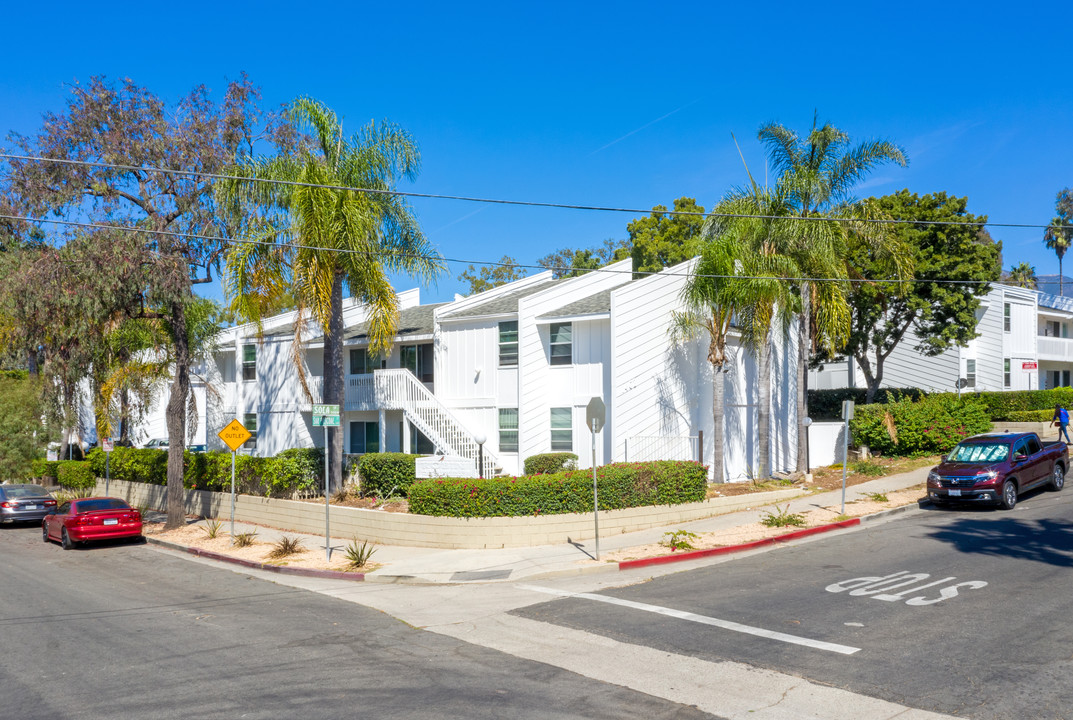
(718, 410)
(176, 416)
(764, 410)
(333, 381)
(804, 342)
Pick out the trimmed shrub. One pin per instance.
(1030, 415)
(75, 475)
(1001, 405)
(933, 425)
(620, 485)
(384, 474)
(827, 404)
(298, 470)
(44, 468)
(549, 463)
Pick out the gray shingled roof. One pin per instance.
(591, 305)
(412, 321)
(506, 303)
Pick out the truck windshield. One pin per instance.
(979, 453)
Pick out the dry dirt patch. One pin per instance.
(311, 557)
(758, 531)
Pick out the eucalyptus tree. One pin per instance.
(324, 218)
(1023, 275)
(1057, 237)
(818, 174)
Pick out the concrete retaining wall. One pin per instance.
(436, 532)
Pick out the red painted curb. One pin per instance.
(726, 549)
(282, 570)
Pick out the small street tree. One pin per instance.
(663, 239)
(1023, 275)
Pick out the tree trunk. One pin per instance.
(717, 424)
(176, 416)
(764, 408)
(124, 415)
(31, 362)
(333, 382)
(804, 343)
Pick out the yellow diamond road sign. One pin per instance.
(234, 435)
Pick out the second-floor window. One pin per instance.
(1053, 329)
(970, 373)
(562, 346)
(418, 360)
(1006, 317)
(508, 429)
(361, 363)
(508, 343)
(249, 362)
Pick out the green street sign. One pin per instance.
(325, 421)
(325, 409)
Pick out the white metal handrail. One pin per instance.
(399, 389)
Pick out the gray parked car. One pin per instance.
(24, 503)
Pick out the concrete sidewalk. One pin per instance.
(433, 566)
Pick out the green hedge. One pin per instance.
(1030, 415)
(933, 425)
(384, 474)
(620, 485)
(44, 468)
(295, 470)
(1002, 405)
(827, 404)
(75, 475)
(546, 463)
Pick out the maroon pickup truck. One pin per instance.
(997, 468)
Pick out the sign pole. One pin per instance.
(847, 415)
(595, 493)
(107, 470)
(327, 505)
(233, 497)
(234, 435)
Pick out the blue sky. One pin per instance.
(613, 104)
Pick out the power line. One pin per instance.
(297, 246)
(522, 203)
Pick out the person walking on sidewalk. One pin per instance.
(1061, 420)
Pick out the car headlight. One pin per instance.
(933, 476)
(987, 476)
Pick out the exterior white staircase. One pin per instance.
(399, 389)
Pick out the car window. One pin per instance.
(21, 491)
(101, 504)
(64, 509)
(1019, 448)
(1033, 445)
(979, 453)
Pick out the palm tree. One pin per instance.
(1057, 237)
(818, 174)
(313, 240)
(1023, 275)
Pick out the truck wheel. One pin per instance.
(1009, 495)
(1058, 479)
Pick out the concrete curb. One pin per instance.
(282, 570)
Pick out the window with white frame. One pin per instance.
(362, 363)
(249, 362)
(508, 343)
(364, 437)
(561, 345)
(1006, 317)
(970, 373)
(249, 421)
(1006, 373)
(508, 429)
(562, 431)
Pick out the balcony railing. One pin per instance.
(1051, 348)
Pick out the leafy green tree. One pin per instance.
(490, 276)
(22, 435)
(663, 239)
(569, 262)
(122, 124)
(322, 234)
(818, 174)
(940, 314)
(1023, 275)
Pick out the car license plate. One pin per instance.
(955, 493)
(29, 507)
(111, 521)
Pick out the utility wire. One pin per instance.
(297, 246)
(523, 203)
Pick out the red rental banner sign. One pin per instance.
(1029, 366)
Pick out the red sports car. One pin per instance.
(87, 519)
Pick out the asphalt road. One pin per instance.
(123, 631)
(962, 611)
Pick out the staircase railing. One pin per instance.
(399, 389)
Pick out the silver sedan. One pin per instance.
(24, 503)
